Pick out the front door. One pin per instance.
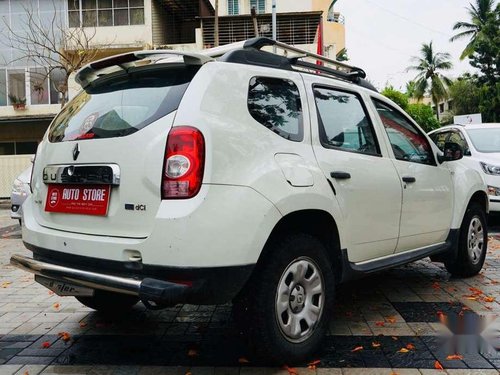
(365, 181)
(427, 186)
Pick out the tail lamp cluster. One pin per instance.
(184, 163)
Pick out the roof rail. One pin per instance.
(292, 57)
(261, 42)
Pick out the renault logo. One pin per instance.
(76, 152)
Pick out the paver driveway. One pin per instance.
(386, 324)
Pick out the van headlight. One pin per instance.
(490, 169)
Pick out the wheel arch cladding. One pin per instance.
(481, 198)
(317, 223)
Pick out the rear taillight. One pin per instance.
(184, 163)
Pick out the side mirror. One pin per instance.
(451, 152)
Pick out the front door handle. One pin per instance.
(339, 175)
(409, 180)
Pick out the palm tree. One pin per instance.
(410, 89)
(479, 14)
(429, 78)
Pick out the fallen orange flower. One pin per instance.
(357, 349)
(489, 299)
(391, 319)
(291, 370)
(454, 357)
(380, 324)
(376, 344)
(403, 350)
(65, 336)
(410, 347)
(5, 284)
(45, 344)
(312, 365)
(438, 366)
(56, 306)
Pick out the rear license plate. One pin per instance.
(62, 288)
(78, 199)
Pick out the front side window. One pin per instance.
(275, 103)
(233, 7)
(440, 139)
(408, 143)
(343, 122)
(458, 138)
(90, 13)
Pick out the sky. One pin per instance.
(383, 35)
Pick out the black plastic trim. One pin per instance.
(209, 285)
(351, 271)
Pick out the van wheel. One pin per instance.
(472, 244)
(288, 302)
(109, 302)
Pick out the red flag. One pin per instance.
(320, 41)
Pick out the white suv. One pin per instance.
(241, 175)
(481, 145)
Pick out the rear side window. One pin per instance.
(343, 122)
(275, 103)
(119, 106)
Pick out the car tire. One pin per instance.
(472, 244)
(288, 302)
(109, 302)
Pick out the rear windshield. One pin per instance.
(119, 106)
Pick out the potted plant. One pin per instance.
(17, 102)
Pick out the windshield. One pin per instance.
(485, 140)
(116, 107)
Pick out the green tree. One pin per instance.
(429, 78)
(479, 13)
(486, 56)
(423, 115)
(465, 95)
(396, 96)
(411, 89)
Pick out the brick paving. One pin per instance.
(390, 323)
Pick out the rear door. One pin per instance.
(99, 168)
(427, 186)
(364, 180)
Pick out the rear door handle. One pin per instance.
(409, 180)
(339, 175)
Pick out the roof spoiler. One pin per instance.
(94, 70)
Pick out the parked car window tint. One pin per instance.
(440, 139)
(458, 138)
(121, 105)
(343, 122)
(276, 104)
(407, 141)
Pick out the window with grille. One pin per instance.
(90, 13)
(259, 5)
(233, 7)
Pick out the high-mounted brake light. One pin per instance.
(184, 163)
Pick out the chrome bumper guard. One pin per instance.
(149, 290)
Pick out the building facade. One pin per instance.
(297, 23)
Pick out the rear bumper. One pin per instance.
(494, 204)
(165, 286)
